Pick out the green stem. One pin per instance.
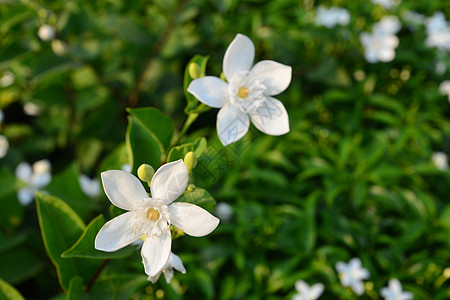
(96, 275)
(191, 119)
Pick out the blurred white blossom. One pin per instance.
(440, 68)
(440, 160)
(352, 274)
(306, 292)
(126, 168)
(174, 262)
(4, 146)
(46, 33)
(91, 187)
(388, 4)
(224, 211)
(7, 79)
(330, 17)
(438, 31)
(395, 292)
(248, 93)
(413, 18)
(35, 178)
(381, 43)
(31, 109)
(444, 88)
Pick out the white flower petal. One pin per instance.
(358, 287)
(42, 166)
(170, 181)
(40, 180)
(316, 290)
(192, 219)
(408, 295)
(301, 286)
(154, 279)
(274, 76)
(232, 124)
(271, 117)
(4, 146)
(155, 252)
(123, 189)
(91, 187)
(24, 171)
(210, 90)
(117, 233)
(177, 263)
(25, 196)
(168, 274)
(239, 56)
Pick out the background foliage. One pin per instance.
(353, 178)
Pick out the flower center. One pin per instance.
(242, 92)
(153, 214)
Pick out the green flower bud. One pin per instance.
(145, 172)
(190, 159)
(195, 71)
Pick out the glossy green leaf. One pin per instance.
(60, 229)
(178, 152)
(8, 292)
(19, 265)
(84, 247)
(143, 146)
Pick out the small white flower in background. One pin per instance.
(306, 292)
(330, 17)
(352, 275)
(395, 292)
(413, 18)
(438, 30)
(444, 88)
(31, 109)
(7, 79)
(440, 160)
(248, 93)
(4, 146)
(46, 33)
(151, 217)
(381, 43)
(35, 177)
(91, 187)
(174, 262)
(440, 68)
(126, 168)
(224, 211)
(388, 4)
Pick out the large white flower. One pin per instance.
(306, 292)
(4, 146)
(35, 177)
(91, 187)
(330, 17)
(352, 275)
(174, 262)
(151, 217)
(248, 93)
(440, 161)
(395, 292)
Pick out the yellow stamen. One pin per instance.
(153, 214)
(242, 92)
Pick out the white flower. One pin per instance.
(174, 262)
(224, 211)
(46, 33)
(91, 187)
(126, 168)
(352, 275)
(31, 109)
(386, 3)
(394, 291)
(444, 88)
(438, 31)
(440, 160)
(7, 79)
(330, 17)
(247, 95)
(305, 292)
(381, 43)
(151, 217)
(4, 146)
(36, 178)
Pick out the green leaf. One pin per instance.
(66, 186)
(19, 264)
(60, 229)
(143, 146)
(84, 247)
(8, 292)
(76, 291)
(117, 286)
(198, 196)
(52, 65)
(193, 105)
(8, 182)
(9, 242)
(178, 152)
(116, 159)
(12, 211)
(156, 122)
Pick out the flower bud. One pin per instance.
(190, 159)
(46, 33)
(195, 71)
(145, 172)
(60, 47)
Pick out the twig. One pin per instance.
(157, 48)
(96, 275)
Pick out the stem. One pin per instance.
(191, 118)
(156, 50)
(96, 275)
